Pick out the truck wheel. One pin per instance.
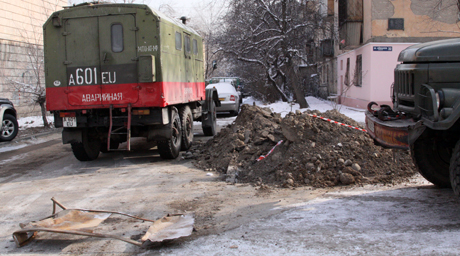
(432, 161)
(89, 148)
(9, 128)
(455, 169)
(170, 149)
(186, 119)
(211, 130)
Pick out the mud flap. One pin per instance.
(71, 136)
(211, 95)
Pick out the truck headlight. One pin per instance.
(439, 99)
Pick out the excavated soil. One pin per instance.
(313, 152)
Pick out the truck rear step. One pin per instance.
(127, 126)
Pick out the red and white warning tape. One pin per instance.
(269, 152)
(339, 123)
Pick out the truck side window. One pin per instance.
(117, 38)
(195, 47)
(187, 44)
(178, 41)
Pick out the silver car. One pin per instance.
(9, 124)
(228, 96)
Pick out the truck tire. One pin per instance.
(211, 130)
(9, 128)
(430, 158)
(170, 148)
(89, 148)
(455, 169)
(186, 119)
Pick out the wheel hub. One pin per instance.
(7, 128)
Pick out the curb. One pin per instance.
(38, 135)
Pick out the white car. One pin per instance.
(228, 96)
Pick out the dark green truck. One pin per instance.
(426, 111)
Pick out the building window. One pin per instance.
(395, 24)
(325, 74)
(195, 47)
(117, 37)
(358, 80)
(341, 64)
(178, 41)
(347, 73)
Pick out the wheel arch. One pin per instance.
(7, 110)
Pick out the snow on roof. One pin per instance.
(163, 16)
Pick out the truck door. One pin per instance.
(101, 60)
(118, 59)
(82, 61)
(189, 74)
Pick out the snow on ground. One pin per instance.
(315, 104)
(284, 108)
(33, 121)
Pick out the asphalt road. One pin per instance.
(414, 218)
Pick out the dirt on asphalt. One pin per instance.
(313, 152)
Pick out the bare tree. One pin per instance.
(271, 34)
(207, 20)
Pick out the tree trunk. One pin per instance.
(295, 83)
(299, 95)
(43, 109)
(273, 82)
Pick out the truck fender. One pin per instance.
(211, 95)
(71, 136)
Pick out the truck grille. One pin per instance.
(404, 88)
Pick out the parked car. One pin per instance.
(235, 81)
(228, 96)
(8, 116)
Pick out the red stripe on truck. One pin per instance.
(157, 94)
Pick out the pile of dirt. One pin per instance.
(313, 152)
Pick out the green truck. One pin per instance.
(116, 71)
(426, 111)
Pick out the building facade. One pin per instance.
(21, 51)
(372, 33)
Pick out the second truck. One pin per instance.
(116, 71)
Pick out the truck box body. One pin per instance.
(119, 54)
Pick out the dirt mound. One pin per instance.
(313, 152)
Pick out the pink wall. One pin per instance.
(377, 74)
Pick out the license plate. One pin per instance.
(221, 99)
(69, 121)
(370, 125)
